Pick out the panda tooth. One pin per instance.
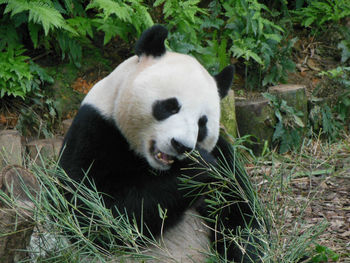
(159, 155)
(170, 161)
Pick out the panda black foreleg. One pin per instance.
(143, 203)
(236, 215)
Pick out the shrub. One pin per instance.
(18, 75)
(319, 12)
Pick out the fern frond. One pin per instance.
(110, 7)
(140, 16)
(40, 12)
(15, 6)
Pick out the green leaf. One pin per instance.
(158, 3)
(274, 37)
(345, 47)
(110, 7)
(278, 115)
(298, 121)
(82, 25)
(308, 21)
(272, 98)
(42, 74)
(46, 15)
(33, 32)
(279, 132)
(250, 54)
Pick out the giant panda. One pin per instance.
(132, 136)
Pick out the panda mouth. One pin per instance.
(159, 156)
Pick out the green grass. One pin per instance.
(288, 240)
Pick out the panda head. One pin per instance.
(166, 104)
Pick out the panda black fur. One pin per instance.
(131, 134)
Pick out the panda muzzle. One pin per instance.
(159, 156)
(164, 158)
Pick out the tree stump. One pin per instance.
(16, 218)
(294, 95)
(228, 114)
(255, 117)
(11, 148)
(44, 150)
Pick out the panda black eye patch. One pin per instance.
(202, 128)
(163, 109)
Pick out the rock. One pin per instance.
(66, 124)
(11, 148)
(16, 219)
(42, 150)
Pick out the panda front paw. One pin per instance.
(206, 158)
(197, 167)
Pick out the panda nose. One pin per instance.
(179, 147)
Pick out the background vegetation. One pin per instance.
(53, 51)
(40, 39)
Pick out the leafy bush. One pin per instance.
(120, 18)
(261, 43)
(19, 76)
(226, 29)
(60, 26)
(319, 12)
(184, 17)
(72, 22)
(15, 76)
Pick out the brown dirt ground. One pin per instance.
(317, 188)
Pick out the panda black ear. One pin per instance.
(151, 42)
(224, 80)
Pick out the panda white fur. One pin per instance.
(132, 132)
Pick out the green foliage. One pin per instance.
(340, 78)
(40, 120)
(243, 29)
(319, 12)
(234, 28)
(60, 26)
(261, 43)
(40, 12)
(120, 18)
(183, 17)
(18, 75)
(289, 126)
(15, 76)
(324, 254)
(69, 24)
